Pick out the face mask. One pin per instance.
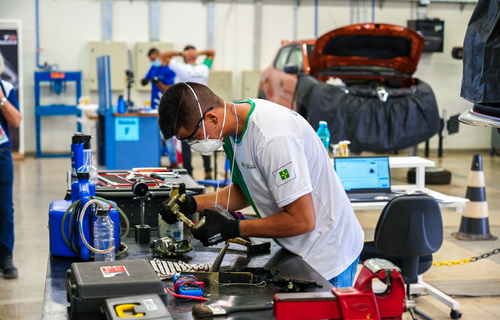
(207, 146)
(156, 63)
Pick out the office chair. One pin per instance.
(408, 232)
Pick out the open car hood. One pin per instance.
(368, 44)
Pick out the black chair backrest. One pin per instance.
(410, 226)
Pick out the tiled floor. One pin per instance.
(38, 182)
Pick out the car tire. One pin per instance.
(432, 176)
(261, 95)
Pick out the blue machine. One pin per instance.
(57, 80)
(81, 190)
(127, 140)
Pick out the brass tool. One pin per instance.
(174, 205)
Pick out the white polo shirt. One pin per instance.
(280, 158)
(186, 72)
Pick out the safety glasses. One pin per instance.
(197, 127)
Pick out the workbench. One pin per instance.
(289, 265)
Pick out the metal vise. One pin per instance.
(358, 302)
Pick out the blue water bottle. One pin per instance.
(324, 134)
(121, 108)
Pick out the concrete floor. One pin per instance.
(38, 182)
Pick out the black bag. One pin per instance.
(481, 55)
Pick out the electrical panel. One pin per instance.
(251, 79)
(433, 32)
(221, 83)
(118, 59)
(142, 62)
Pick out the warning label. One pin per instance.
(109, 272)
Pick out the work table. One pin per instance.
(289, 265)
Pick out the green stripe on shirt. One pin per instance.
(208, 63)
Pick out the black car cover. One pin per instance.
(481, 56)
(370, 124)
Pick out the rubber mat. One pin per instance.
(469, 288)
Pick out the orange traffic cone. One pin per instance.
(475, 224)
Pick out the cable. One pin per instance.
(127, 223)
(80, 227)
(187, 281)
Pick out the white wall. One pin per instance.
(67, 26)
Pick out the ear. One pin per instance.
(212, 117)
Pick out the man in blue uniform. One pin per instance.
(161, 77)
(9, 117)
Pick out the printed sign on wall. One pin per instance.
(127, 129)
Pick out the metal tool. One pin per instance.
(174, 205)
(253, 248)
(142, 231)
(358, 302)
(167, 246)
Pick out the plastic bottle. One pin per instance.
(88, 167)
(324, 134)
(104, 235)
(79, 142)
(121, 108)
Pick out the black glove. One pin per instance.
(155, 79)
(217, 228)
(144, 82)
(188, 207)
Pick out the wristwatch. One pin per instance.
(2, 102)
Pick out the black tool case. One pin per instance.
(90, 283)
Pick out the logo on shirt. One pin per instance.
(294, 113)
(284, 174)
(248, 165)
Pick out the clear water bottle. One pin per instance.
(88, 167)
(324, 134)
(104, 235)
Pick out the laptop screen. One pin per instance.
(364, 174)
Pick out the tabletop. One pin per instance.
(289, 265)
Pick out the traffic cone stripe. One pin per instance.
(476, 194)
(476, 179)
(476, 210)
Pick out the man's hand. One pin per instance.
(216, 228)
(144, 82)
(187, 207)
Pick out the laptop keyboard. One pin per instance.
(371, 196)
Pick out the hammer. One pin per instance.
(253, 248)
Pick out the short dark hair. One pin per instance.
(178, 107)
(189, 47)
(152, 50)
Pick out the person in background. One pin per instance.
(189, 71)
(279, 166)
(9, 117)
(161, 78)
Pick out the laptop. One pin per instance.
(365, 178)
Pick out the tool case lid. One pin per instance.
(90, 280)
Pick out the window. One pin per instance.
(282, 58)
(296, 57)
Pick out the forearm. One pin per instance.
(236, 202)
(11, 114)
(170, 54)
(161, 86)
(209, 53)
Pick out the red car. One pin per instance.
(366, 52)
(359, 80)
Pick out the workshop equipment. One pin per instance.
(202, 312)
(253, 248)
(358, 302)
(142, 231)
(89, 284)
(64, 216)
(167, 269)
(143, 307)
(167, 246)
(57, 82)
(187, 287)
